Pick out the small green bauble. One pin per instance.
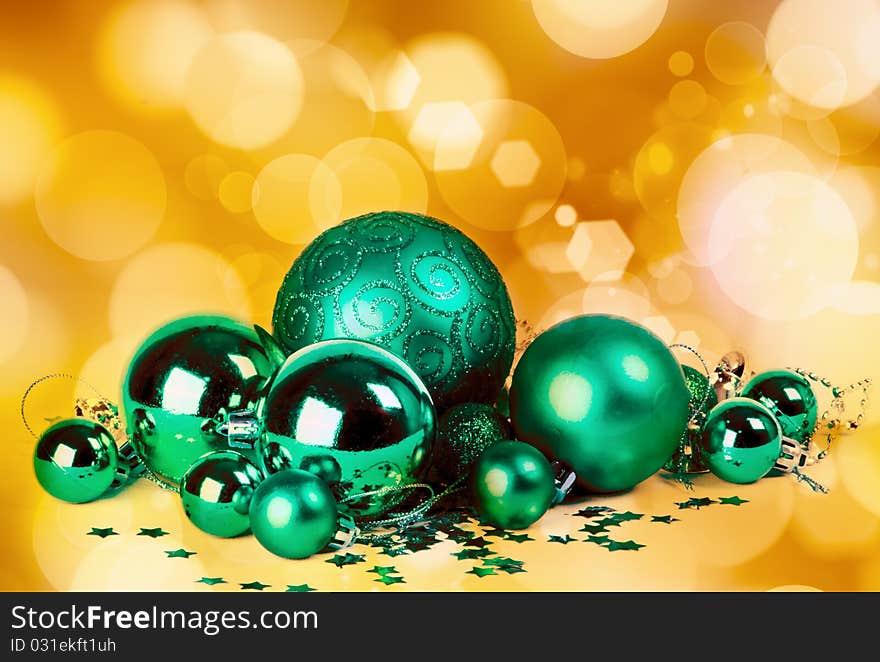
(293, 514)
(354, 414)
(512, 485)
(413, 285)
(741, 440)
(216, 493)
(605, 396)
(463, 433)
(182, 381)
(791, 399)
(702, 400)
(75, 460)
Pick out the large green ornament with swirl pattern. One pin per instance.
(413, 285)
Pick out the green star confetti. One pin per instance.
(501, 561)
(102, 533)
(348, 559)
(629, 545)
(476, 542)
(564, 540)
(384, 570)
(388, 579)
(210, 581)
(593, 511)
(470, 554)
(732, 501)
(695, 502)
(299, 588)
(664, 519)
(254, 586)
(628, 516)
(518, 537)
(598, 540)
(593, 528)
(481, 572)
(393, 551)
(179, 553)
(152, 533)
(495, 531)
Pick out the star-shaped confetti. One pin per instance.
(518, 537)
(627, 516)
(481, 572)
(254, 586)
(564, 540)
(348, 559)
(388, 579)
(102, 533)
(664, 519)
(477, 542)
(179, 553)
(152, 533)
(466, 554)
(593, 528)
(695, 502)
(629, 545)
(732, 501)
(299, 588)
(593, 511)
(598, 540)
(504, 564)
(210, 581)
(392, 552)
(494, 531)
(384, 570)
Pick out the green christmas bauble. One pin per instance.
(605, 396)
(75, 460)
(791, 399)
(293, 514)
(413, 285)
(216, 493)
(512, 485)
(354, 414)
(741, 440)
(463, 433)
(702, 400)
(181, 383)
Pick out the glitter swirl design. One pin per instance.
(414, 285)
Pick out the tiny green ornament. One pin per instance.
(413, 285)
(183, 381)
(512, 485)
(293, 514)
(216, 492)
(75, 460)
(741, 441)
(463, 433)
(791, 399)
(603, 395)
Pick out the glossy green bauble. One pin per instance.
(216, 493)
(512, 485)
(741, 440)
(702, 400)
(791, 399)
(605, 396)
(293, 514)
(413, 285)
(183, 380)
(75, 460)
(463, 433)
(354, 414)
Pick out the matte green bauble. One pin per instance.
(741, 440)
(702, 400)
(75, 460)
(413, 285)
(512, 485)
(791, 399)
(293, 514)
(605, 396)
(463, 433)
(216, 493)
(354, 414)
(181, 383)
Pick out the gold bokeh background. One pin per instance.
(708, 169)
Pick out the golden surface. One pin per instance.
(707, 169)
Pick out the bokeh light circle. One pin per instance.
(825, 60)
(717, 170)
(146, 47)
(850, 130)
(599, 29)
(517, 172)
(244, 89)
(29, 126)
(100, 195)
(687, 99)
(172, 280)
(782, 243)
(203, 175)
(735, 53)
(373, 174)
(282, 19)
(681, 63)
(295, 197)
(16, 315)
(235, 192)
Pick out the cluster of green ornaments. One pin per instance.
(393, 337)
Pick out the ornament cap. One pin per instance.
(794, 456)
(564, 479)
(346, 533)
(129, 468)
(242, 428)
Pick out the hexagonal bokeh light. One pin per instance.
(599, 250)
(515, 163)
